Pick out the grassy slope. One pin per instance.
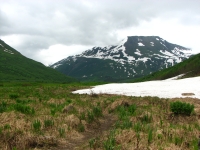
(32, 117)
(189, 67)
(16, 67)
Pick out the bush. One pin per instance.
(181, 108)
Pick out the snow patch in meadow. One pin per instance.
(164, 89)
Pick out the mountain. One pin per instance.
(187, 68)
(16, 67)
(133, 57)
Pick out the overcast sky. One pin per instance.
(50, 30)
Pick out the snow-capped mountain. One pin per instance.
(133, 57)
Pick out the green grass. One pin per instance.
(36, 125)
(35, 116)
(48, 123)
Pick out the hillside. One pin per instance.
(133, 57)
(189, 67)
(15, 67)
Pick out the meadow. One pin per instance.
(49, 116)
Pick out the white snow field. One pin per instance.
(170, 88)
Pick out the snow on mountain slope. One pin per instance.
(170, 88)
(118, 53)
(143, 54)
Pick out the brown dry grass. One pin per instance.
(17, 130)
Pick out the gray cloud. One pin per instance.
(42, 23)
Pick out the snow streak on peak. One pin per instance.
(116, 53)
(141, 44)
(132, 50)
(119, 54)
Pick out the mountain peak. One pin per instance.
(140, 55)
(132, 48)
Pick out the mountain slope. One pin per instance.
(133, 57)
(16, 67)
(189, 67)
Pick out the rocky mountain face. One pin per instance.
(133, 57)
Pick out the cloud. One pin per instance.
(38, 25)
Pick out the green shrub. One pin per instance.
(181, 108)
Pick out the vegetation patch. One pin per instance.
(49, 116)
(181, 108)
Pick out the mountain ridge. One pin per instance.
(136, 55)
(16, 67)
(186, 69)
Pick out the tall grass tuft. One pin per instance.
(61, 132)
(48, 123)
(13, 96)
(110, 143)
(36, 125)
(3, 107)
(90, 116)
(24, 109)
